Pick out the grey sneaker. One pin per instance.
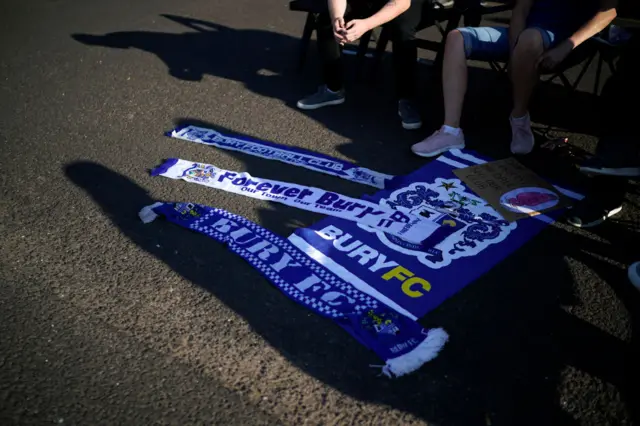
(626, 166)
(634, 275)
(409, 115)
(591, 212)
(323, 97)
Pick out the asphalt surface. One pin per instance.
(104, 320)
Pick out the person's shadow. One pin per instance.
(264, 62)
(510, 336)
(253, 57)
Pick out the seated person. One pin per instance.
(617, 156)
(618, 152)
(403, 18)
(541, 35)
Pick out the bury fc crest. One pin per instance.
(200, 172)
(479, 224)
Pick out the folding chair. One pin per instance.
(597, 46)
(434, 16)
(583, 56)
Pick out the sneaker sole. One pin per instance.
(323, 104)
(623, 172)
(438, 152)
(410, 126)
(595, 222)
(523, 153)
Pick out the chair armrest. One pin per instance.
(311, 6)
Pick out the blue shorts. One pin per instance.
(492, 43)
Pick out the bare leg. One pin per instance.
(524, 77)
(454, 78)
(454, 84)
(524, 74)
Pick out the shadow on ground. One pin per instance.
(512, 336)
(254, 57)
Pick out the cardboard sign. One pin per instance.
(511, 189)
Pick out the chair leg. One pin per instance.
(375, 33)
(309, 26)
(381, 47)
(611, 64)
(363, 46)
(564, 80)
(596, 85)
(583, 71)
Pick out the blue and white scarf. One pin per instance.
(399, 340)
(286, 154)
(413, 228)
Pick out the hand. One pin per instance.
(356, 29)
(550, 59)
(339, 31)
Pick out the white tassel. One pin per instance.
(147, 215)
(421, 354)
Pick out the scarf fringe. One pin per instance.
(147, 215)
(423, 353)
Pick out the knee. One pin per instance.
(455, 41)
(529, 43)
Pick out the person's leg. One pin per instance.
(618, 152)
(331, 93)
(531, 43)
(454, 78)
(405, 55)
(484, 43)
(524, 73)
(330, 54)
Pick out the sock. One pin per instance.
(334, 92)
(455, 131)
(523, 118)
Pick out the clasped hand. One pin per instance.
(349, 32)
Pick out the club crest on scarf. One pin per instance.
(198, 134)
(188, 211)
(381, 323)
(200, 172)
(480, 225)
(359, 175)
